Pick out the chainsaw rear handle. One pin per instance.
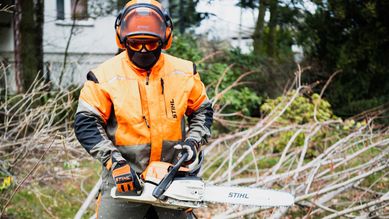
(167, 180)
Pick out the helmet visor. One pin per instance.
(142, 21)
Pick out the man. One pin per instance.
(131, 108)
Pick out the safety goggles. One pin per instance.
(140, 44)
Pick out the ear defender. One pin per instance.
(169, 31)
(118, 20)
(166, 44)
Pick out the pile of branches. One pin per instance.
(37, 143)
(347, 178)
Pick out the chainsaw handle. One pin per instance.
(167, 180)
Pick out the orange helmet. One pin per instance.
(144, 18)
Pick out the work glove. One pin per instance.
(124, 176)
(189, 146)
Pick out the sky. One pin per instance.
(229, 20)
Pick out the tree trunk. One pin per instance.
(258, 32)
(28, 32)
(271, 44)
(182, 17)
(17, 44)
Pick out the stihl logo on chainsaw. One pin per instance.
(237, 195)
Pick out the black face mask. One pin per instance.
(144, 60)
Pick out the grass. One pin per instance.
(59, 199)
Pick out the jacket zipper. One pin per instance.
(162, 85)
(147, 123)
(147, 83)
(164, 98)
(143, 113)
(148, 77)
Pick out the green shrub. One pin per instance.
(243, 99)
(301, 110)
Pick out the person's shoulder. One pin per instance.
(176, 60)
(104, 70)
(181, 64)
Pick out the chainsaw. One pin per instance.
(173, 186)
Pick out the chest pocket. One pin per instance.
(127, 101)
(175, 98)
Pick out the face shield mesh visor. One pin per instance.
(142, 21)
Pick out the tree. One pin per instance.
(258, 40)
(28, 33)
(184, 14)
(271, 47)
(273, 39)
(351, 36)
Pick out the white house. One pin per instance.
(92, 42)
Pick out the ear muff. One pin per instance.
(169, 31)
(119, 44)
(169, 39)
(167, 20)
(118, 20)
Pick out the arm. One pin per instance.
(94, 108)
(200, 114)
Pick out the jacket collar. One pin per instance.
(154, 71)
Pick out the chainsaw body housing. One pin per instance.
(185, 191)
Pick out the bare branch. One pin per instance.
(24, 179)
(384, 198)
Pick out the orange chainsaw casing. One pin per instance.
(157, 170)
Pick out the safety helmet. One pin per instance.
(146, 19)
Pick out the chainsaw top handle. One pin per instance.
(167, 180)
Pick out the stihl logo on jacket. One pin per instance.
(173, 109)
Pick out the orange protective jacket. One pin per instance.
(141, 113)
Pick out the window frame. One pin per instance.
(67, 15)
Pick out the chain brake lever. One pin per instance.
(167, 180)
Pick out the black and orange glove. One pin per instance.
(124, 176)
(191, 147)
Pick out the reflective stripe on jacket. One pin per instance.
(140, 113)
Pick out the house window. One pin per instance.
(60, 10)
(72, 9)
